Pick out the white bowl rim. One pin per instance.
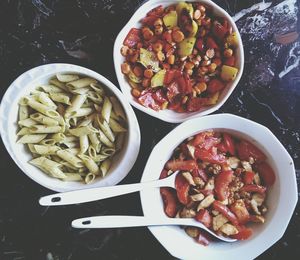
(245, 251)
(134, 136)
(171, 116)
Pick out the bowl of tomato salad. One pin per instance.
(234, 176)
(178, 60)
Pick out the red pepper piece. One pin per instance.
(222, 181)
(159, 96)
(266, 172)
(181, 165)
(132, 38)
(173, 91)
(230, 61)
(211, 43)
(214, 86)
(204, 217)
(248, 177)
(229, 143)
(254, 188)
(195, 104)
(182, 188)
(170, 201)
(244, 233)
(209, 156)
(223, 209)
(246, 150)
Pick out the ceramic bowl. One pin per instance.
(281, 200)
(28, 81)
(169, 115)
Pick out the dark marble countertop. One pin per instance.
(82, 32)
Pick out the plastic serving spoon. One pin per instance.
(136, 221)
(87, 195)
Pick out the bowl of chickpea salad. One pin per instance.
(233, 176)
(177, 60)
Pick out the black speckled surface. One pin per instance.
(82, 32)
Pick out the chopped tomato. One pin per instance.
(221, 147)
(147, 100)
(222, 181)
(204, 238)
(200, 44)
(246, 150)
(204, 217)
(182, 188)
(248, 177)
(240, 210)
(188, 84)
(171, 75)
(181, 165)
(200, 138)
(167, 36)
(173, 91)
(195, 103)
(209, 156)
(229, 143)
(244, 233)
(219, 30)
(223, 209)
(163, 174)
(132, 38)
(175, 103)
(215, 85)
(149, 20)
(230, 61)
(266, 172)
(170, 201)
(200, 173)
(254, 188)
(210, 42)
(159, 11)
(159, 96)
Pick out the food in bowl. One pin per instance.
(73, 127)
(223, 183)
(181, 59)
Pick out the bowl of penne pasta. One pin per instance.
(68, 127)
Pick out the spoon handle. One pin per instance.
(87, 195)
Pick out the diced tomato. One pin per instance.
(182, 84)
(163, 174)
(180, 165)
(204, 238)
(159, 96)
(210, 42)
(167, 36)
(230, 61)
(170, 201)
(159, 11)
(188, 84)
(221, 147)
(246, 150)
(173, 91)
(132, 38)
(147, 100)
(240, 210)
(200, 173)
(219, 30)
(200, 44)
(254, 188)
(266, 172)
(209, 156)
(149, 20)
(171, 75)
(248, 177)
(222, 181)
(200, 138)
(229, 143)
(244, 233)
(182, 188)
(195, 103)
(175, 103)
(204, 217)
(180, 109)
(214, 86)
(223, 209)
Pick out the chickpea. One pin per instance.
(147, 33)
(210, 53)
(146, 83)
(189, 71)
(189, 65)
(205, 62)
(157, 47)
(201, 86)
(136, 93)
(197, 14)
(138, 71)
(202, 71)
(202, 9)
(125, 68)
(158, 23)
(212, 67)
(160, 56)
(178, 36)
(148, 73)
(228, 53)
(124, 50)
(171, 59)
(158, 30)
(134, 58)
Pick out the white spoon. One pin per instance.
(87, 195)
(135, 221)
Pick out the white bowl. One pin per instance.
(281, 201)
(28, 81)
(169, 115)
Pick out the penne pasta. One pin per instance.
(95, 97)
(44, 129)
(76, 103)
(106, 151)
(117, 107)
(84, 130)
(45, 120)
(105, 166)
(46, 149)
(115, 126)
(98, 88)
(50, 89)
(81, 83)
(95, 141)
(60, 98)
(106, 109)
(104, 139)
(66, 77)
(72, 177)
(70, 158)
(84, 143)
(59, 84)
(48, 111)
(58, 137)
(48, 142)
(31, 138)
(89, 163)
(104, 126)
(89, 178)
(23, 112)
(28, 122)
(44, 99)
(82, 112)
